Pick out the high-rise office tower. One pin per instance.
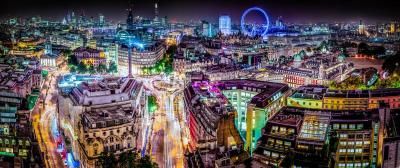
(225, 25)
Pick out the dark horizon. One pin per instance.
(294, 11)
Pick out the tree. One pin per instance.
(91, 69)
(172, 49)
(392, 63)
(363, 48)
(108, 160)
(145, 162)
(82, 68)
(71, 59)
(129, 159)
(101, 68)
(73, 69)
(112, 68)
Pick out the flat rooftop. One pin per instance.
(107, 117)
(266, 90)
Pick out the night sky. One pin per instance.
(298, 11)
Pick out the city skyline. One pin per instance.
(200, 84)
(313, 11)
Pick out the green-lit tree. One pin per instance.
(112, 68)
(72, 69)
(71, 59)
(82, 68)
(92, 69)
(101, 68)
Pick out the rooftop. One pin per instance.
(107, 117)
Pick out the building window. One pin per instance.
(335, 126)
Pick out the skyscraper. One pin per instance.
(361, 28)
(225, 25)
(101, 19)
(207, 29)
(156, 12)
(129, 20)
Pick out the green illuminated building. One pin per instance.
(255, 102)
(239, 100)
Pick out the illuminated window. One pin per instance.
(267, 153)
(274, 129)
(282, 129)
(335, 126)
(360, 126)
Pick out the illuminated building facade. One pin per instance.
(391, 143)
(347, 100)
(116, 96)
(90, 56)
(207, 29)
(321, 138)
(278, 138)
(320, 97)
(307, 97)
(110, 129)
(20, 75)
(361, 28)
(28, 47)
(72, 41)
(255, 102)
(210, 118)
(20, 81)
(225, 25)
(357, 139)
(147, 56)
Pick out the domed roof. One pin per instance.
(341, 57)
(297, 58)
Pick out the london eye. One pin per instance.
(255, 29)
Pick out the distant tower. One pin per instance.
(156, 11)
(48, 49)
(361, 28)
(392, 27)
(129, 20)
(64, 21)
(207, 29)
(321, 74)
(225, 25)
(101, 19)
